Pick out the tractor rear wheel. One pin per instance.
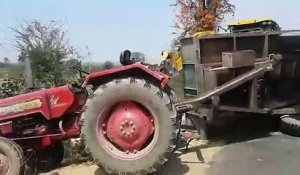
(130, 126)
(11, 158)
(290, 125)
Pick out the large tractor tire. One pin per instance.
(130, 126)
(11, 158)
(290, 124)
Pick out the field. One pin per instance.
(11, 70)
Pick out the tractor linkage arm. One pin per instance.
(188, 105)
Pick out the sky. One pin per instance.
(108, 27)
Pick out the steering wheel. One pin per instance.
(80, 71)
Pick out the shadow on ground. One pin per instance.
(240, 128)
(232, 130)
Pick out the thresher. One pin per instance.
(253, 69)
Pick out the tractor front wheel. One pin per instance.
(11, 158)
(130, 126)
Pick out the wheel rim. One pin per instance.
(4, 164)
(127, 130)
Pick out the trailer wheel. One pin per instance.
(290, 125)
(130, 126)
(11, 158)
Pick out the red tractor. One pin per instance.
(126, 117)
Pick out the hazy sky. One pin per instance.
(110, 26)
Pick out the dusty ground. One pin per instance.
(182, 163)
(245, 151)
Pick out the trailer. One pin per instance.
(242, 72)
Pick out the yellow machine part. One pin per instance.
(175, 59)
(249, 21)
(177, 63)
(204, 33)
(164, 55)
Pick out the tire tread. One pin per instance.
(169, 97)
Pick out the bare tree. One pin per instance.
(194, 16)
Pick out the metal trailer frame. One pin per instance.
(206, 57)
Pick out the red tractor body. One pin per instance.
(136, 70)
(42, 116)
(38, 120)
(50, 103)
(59, 104)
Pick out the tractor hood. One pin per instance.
(51, 103)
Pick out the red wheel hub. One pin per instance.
(4, 164)
(129, 126)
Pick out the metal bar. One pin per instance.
(240, 109)
(219, 64)
(46, 135)
(218, 69)
(228, 35)
(227, 86)
(289, 110)
(266, 46)
(253, 94)
(234, 44)
(37, 137)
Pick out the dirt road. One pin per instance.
(239, 152)
(183, 162)
(274, 154)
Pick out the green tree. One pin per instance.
(6, 60)
(48, 49)
(108, 65)
(69, 71)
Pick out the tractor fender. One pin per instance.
(134, 70)
(50, 103)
